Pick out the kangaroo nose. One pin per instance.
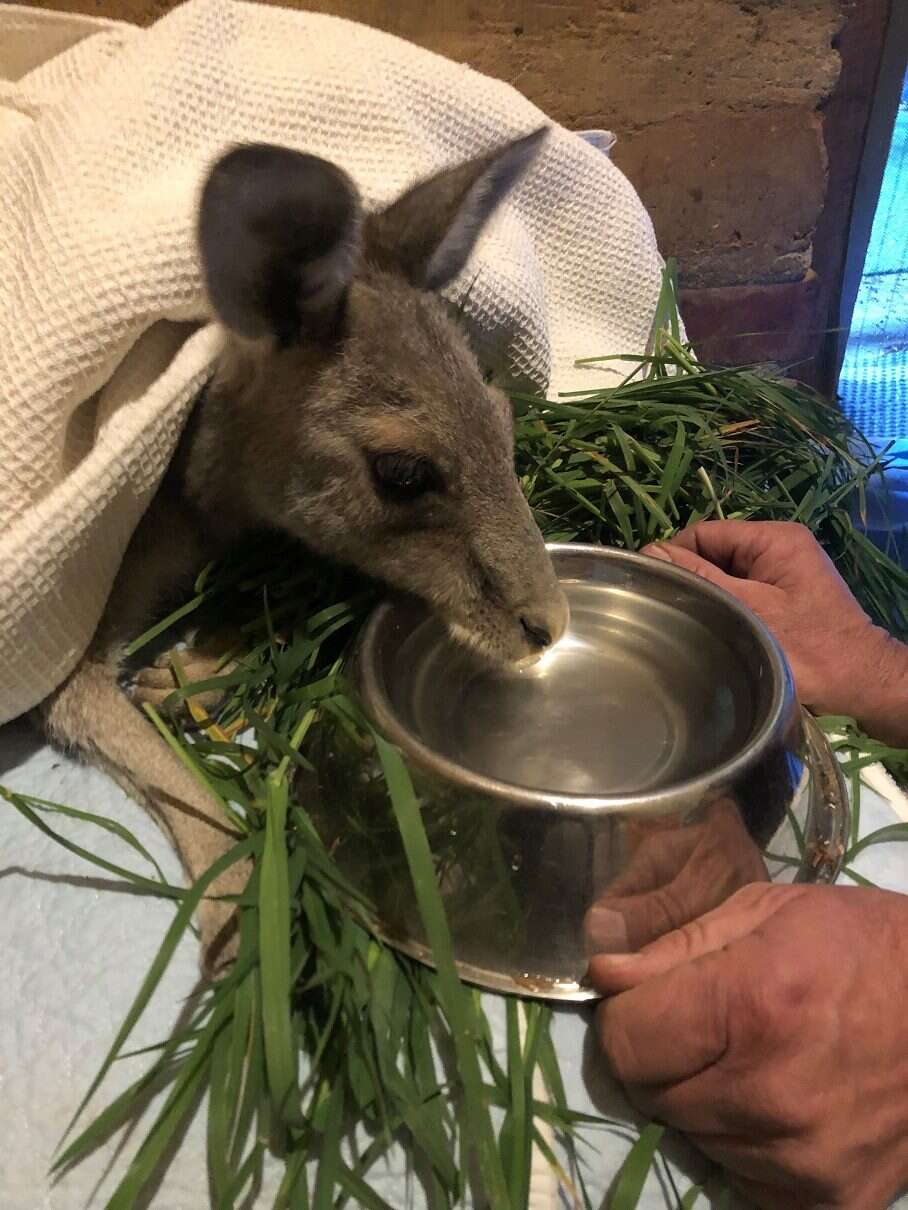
(538, 635)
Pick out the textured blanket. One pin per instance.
(105, 134)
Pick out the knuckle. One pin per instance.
(774, 1006)
(764, 898)
(715, 1026)
(694, 937)
(799, 537)
(749, 895)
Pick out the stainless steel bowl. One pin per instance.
(622, 785)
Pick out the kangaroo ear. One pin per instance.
(429, 232)
(280, 236)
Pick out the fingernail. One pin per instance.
(605, 932)
(656, 552)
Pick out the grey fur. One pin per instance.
(334, 354)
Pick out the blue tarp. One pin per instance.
(873, 385)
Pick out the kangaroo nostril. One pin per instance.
(538, 635)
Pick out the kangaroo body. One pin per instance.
(347, 410)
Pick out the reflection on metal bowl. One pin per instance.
(621, 786)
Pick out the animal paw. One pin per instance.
(155, 683)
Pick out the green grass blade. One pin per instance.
(453, 995)
(330, 1159)
(691, 1197)
(116, 1115)
(179, 1103)
(515, 1139)
(635, 1169)
(891, 833)
(354, 1186)
(859, 878)
(178, 926)
(165, 624)
(141, 884)
(274, 956)
(99, 821)
(248, 1173)
(218, 1133)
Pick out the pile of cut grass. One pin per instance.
(679, 442)
(322, 1045)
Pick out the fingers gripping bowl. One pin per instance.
(617, 788)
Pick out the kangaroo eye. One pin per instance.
(400, 476)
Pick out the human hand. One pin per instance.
(841, 662)
(773, 1033)
(673, 875)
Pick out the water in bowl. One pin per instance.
(637, 696)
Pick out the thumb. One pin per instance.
(690, 561)
(741, 914)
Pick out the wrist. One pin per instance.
(881, 700)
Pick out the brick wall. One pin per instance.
(735, 121)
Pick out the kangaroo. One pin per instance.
(347, 410)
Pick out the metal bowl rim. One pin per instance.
(769, 735)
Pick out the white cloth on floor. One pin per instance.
(75, 954)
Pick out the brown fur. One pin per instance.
(286, 436)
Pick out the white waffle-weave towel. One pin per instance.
(105, 133)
